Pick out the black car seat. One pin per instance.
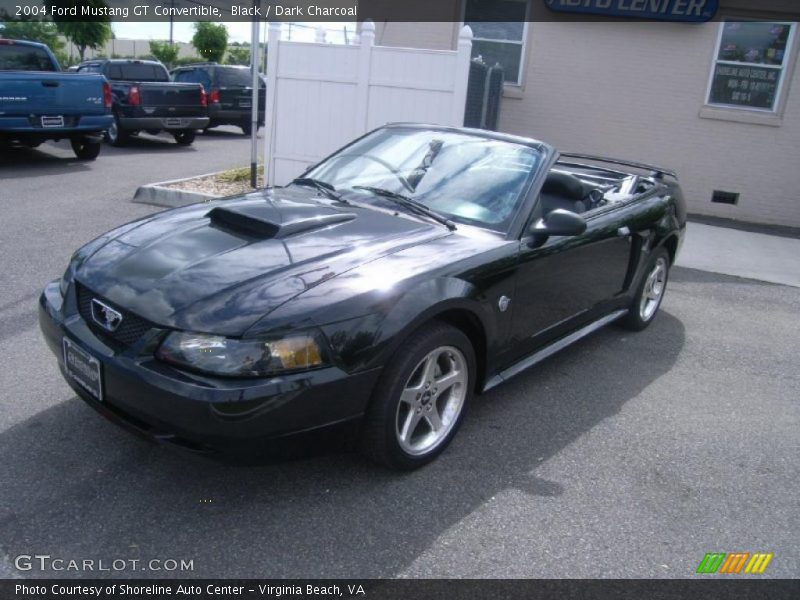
(562, 190)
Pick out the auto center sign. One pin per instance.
(693, 11)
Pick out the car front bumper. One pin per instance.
(197, 412)
(169, 123)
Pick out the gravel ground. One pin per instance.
(215, 184)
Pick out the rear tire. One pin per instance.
(116, 135)
(650, 293)
(247, 127)
(185, 137)
(420, 399)
(85, 149)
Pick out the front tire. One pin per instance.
(85, 149)
(650, 293)
(421, 398)
(185, 137)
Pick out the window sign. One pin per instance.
(750, 65)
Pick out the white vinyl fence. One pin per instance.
(321, 96)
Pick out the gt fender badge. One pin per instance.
(503, 303)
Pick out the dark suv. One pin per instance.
(229, 90)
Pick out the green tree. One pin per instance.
(238, 55)
(84, 34)
(164, 51)
(211, 40)
(35, 31)
(63, 58)
(187, 60)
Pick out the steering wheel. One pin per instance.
(385, 165)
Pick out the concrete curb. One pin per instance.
(159, 195)
(786, 231)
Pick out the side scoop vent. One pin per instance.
(253, 225)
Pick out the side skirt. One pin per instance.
(551, 349)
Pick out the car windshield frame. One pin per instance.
(443, 140)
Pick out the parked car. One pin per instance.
(387, 285)
(39, 103)
(230, 90)
(146, 100)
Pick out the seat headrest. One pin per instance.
(564, 184)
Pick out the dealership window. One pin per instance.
(499, 28)
(750, 65)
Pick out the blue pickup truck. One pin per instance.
(38, 102)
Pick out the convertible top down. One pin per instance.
(410, 270)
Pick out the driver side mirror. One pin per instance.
(557, 222)
(560, 222)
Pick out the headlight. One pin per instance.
(232, 357)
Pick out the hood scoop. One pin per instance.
(250, 221)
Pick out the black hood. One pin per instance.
(221, 266)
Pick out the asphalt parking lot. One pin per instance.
(626, 455)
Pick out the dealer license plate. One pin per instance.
(83, 368)
(173, 122)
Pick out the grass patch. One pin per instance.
(237, 175)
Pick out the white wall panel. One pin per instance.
(321, 96)
(392, 105)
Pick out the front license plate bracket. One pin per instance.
(83, 368)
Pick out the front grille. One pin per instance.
(130, 329)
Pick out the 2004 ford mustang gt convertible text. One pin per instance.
(413, 268)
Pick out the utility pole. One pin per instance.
(254, 100)
(172, 5)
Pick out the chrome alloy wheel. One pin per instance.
(113, 131)
(432, 400)
(653, 290)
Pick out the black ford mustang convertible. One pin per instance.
(412, 269)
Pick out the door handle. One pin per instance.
(50, 83)
(623, 231)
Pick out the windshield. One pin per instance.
(467, 178)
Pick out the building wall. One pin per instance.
(636, 91)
